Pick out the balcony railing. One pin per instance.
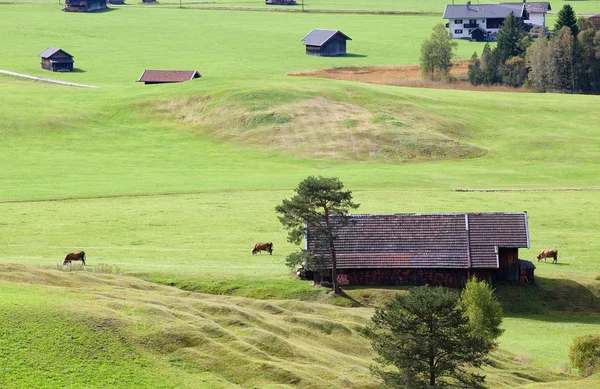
(471, 25)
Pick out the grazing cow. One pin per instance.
(263, 246)
(79, 256)
(548, 254)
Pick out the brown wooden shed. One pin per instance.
(596, 21)
(416, 249)
(326, 43)
(84, 5)
(168, 76)
(56, 60)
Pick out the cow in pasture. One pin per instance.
(79, 256)
(263, 246)
(548, 254)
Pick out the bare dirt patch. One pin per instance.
(407, 76)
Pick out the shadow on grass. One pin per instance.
(353, 56)
(554, 298)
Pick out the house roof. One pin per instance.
(318, 37)
(168, 75)
(483, 11)
(454, 240)
(534, 7)
(50, 51)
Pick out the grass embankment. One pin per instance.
(83, 330)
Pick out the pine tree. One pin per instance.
(510, 39)
(426, 336)
(566, 18)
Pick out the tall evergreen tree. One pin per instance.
(316, 202)
(427, 337)
(510, 39)
(566, 18)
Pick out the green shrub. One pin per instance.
(584, 354)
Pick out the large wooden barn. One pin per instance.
(84, 5)
(56, 60)
(419, 249)
(167, 76)
(326, 43)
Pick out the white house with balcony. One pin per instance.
(481, 22)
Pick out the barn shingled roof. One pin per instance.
(168, 75)
(318, 37)
(50, 51)
(453, 240)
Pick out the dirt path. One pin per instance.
(9, 73)
(408, 76)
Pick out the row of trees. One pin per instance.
(568, 61)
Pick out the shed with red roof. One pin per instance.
(167, 76)
(416, 249)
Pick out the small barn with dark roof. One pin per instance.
(326, 43)
(417, 249)
(56, 60)
(596, 21)
(167, 76)
(84, 5)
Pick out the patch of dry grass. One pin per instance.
(325, 128)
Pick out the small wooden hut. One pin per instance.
(419, 249)
(84, 5)
(596, 21)
(56, 60)
(326, 43)
(167, 76)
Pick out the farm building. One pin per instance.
(167, 76)
(117, 2)
(280, 2)
(326, 43)
(84, 5)
(419, 249)
(56, 60)
(464, 20)
(596, 21)
(148, 1)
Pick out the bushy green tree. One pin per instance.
(566, 18)
(316, 202)
(427, 337)
(584, 353)
(538, 64)
(562, 61)
(483, 310)
(475, 74)
(437, 53)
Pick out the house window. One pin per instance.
(458, 31)
(458, 21)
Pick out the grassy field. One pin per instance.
(175, 183)
(582, 7)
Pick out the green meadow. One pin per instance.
(168, 187)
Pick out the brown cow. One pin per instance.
(548, 254)
(263, 246)
(79, 256)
